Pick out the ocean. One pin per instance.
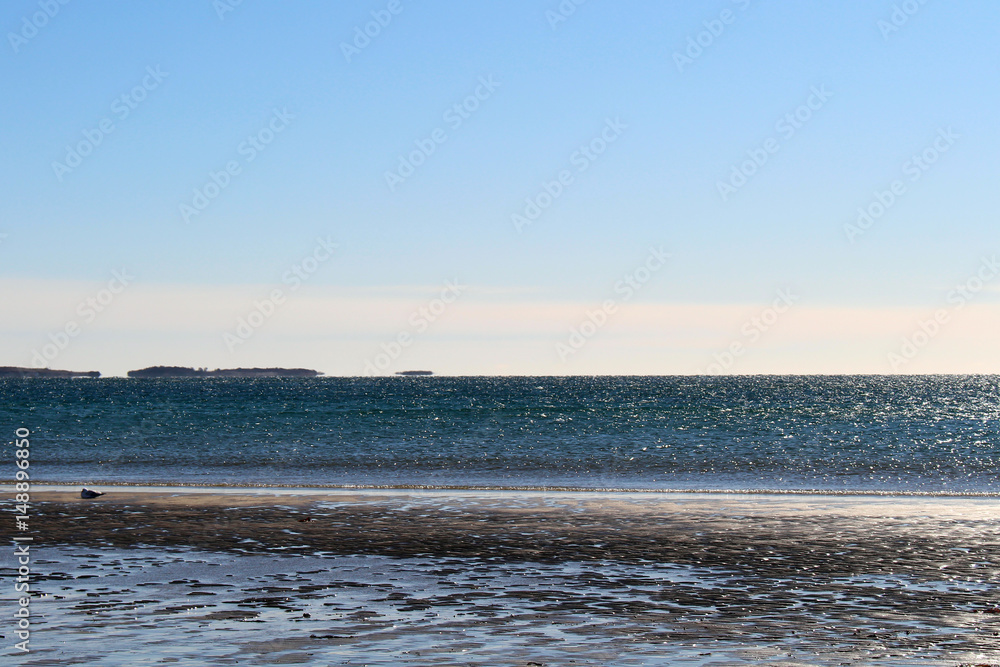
(833, 434)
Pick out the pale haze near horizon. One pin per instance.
(501, 189)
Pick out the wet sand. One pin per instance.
(518, 578)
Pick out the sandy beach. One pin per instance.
(516, 578)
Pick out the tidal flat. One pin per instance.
(405, 577)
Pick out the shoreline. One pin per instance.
(7, 486)
(518, 523)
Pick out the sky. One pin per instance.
(501, 188)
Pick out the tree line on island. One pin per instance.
(182, 372)
(20, 372)
(178, 372)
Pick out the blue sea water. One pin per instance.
(931, 434)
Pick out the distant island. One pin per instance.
(412, 373)
(181, 372)
(19, 372)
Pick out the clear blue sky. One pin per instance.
(681, 129)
